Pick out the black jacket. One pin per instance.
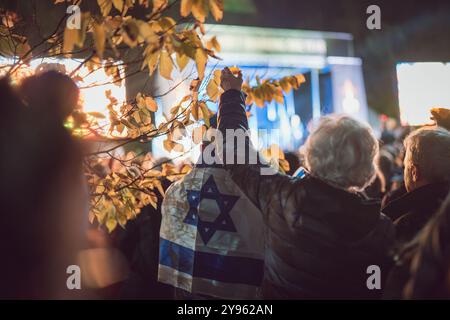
(320, 239)
(414, 209)
(422, 267)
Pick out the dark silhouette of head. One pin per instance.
(52, 93)
(41, 190)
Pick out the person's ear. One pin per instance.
(415, 172)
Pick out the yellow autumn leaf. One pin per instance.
(205, 112)
(174, 109)
(70, 39)
(249, 99)
(130, 32)
(137, 117)
(185, 7)
(300, 78)
(167, 24)
(194, 86)
(111, 224)
(197, 134)
(279, 97)
(194, 111)
(118, 4)
(101, 215)
(213, 44)
(122, 219)
(165, 65)
(285, 85)
(158, 186)
(213, 88)
(85, 21)
(147, 33)
(293, 81)
(98, 115)
(159, 5)
(182, 60)
(120, 127)
(200, 9)
(99, 38)
(151, 61)
(153, 200)
(201, 58)
(216, 7)
(105, 6)
(151, 104)
(168, 145)
(140, 101)
(91, 216)
(186, 168)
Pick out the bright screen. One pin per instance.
(422, 86)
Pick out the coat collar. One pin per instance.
(425, 196)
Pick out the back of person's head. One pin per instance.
(11, 105)
(40, 214)
(341, 150)
(52, 93)
(427, 158)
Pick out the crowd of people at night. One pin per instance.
(353, 207)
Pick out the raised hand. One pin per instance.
(229, 81)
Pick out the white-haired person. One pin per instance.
(427, 180)
(323, 236)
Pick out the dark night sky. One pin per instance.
(412, 30)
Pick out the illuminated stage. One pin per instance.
(334, 80)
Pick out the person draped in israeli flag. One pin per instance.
(211, 238)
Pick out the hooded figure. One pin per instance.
(212, 236)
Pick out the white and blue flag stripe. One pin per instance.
(212, 237)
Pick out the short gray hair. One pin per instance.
(341, 150)
(429, 150)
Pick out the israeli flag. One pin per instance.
(211, 238)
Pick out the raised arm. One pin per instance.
(263, 190)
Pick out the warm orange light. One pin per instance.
(93, 85)
(350, 104)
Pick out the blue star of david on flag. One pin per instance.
(225, 202)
